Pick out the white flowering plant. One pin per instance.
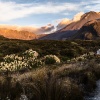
(51, 59)
(15, 62)
(9, 58)
(28, 59)
(30, 53)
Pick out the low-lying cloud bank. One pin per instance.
(66, 21)
(42, 30)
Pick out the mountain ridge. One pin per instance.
(68, 31)
(14, 34)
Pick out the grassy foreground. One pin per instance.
(63, 82)
(70, 77)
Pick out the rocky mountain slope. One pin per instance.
(91, 30)
(69, 30)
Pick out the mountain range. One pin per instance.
(74, 29)
(82, 26)
(14, 34)
(24, 33)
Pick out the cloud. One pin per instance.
(42, 30)
(62, 23)
(90, 5)
(78, 16)
(65, 21)
(47, 29)
(12, 10)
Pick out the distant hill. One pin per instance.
(14, 34)
(69, 30)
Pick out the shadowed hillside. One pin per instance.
(91, 30)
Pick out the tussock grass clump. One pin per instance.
(84, 74)
(41, 84)
(10, 88)
(44, 85)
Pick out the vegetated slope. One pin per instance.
(73, 27)
(91, 30)
(63, 49)
(14, 34)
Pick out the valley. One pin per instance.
(49, 50)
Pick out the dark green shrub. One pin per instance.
(51, 59)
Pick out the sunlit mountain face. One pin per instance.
(43, 16)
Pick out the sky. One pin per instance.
(42, 12)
